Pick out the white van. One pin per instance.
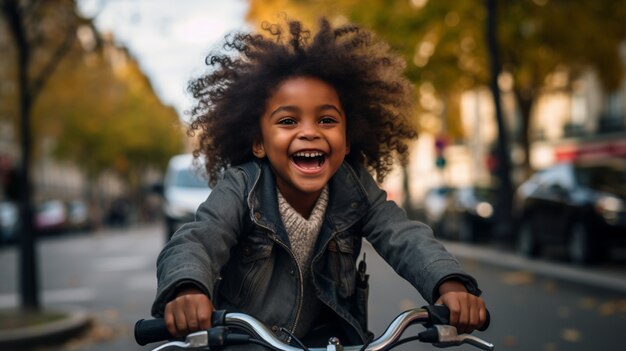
(185, 187)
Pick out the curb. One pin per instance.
(580, 275)
(76, 321)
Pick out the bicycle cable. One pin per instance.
(368, 341)
(400, 342)
(294, 338)
(254, 340)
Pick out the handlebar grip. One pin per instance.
(440, 314)
(148, 331)
(151, 330)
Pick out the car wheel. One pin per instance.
(466, 231)
(526, 240)
(170, 228)
(439, 228)
(580, 247)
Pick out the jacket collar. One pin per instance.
(346, 204)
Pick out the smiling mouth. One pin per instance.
(309, 159)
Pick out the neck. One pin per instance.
(302, 203)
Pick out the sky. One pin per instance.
(170, 39)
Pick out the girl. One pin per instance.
(298, 124)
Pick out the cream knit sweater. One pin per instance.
(303, 237)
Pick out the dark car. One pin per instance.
(470, 214)
(579, 207)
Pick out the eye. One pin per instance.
(287, 121)
(328, 120)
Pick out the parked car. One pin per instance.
(435, 202)
(51, 217)
(580, 207)
(78, 216)
(185, 187)
(470, 213)
(9, 216)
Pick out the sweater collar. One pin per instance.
(346, 203)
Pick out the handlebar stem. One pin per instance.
(334, 345)
(391, 335)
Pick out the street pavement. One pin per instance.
(536, 304)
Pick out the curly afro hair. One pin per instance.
(231, 98)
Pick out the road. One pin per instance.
(547, 306)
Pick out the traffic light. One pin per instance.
(440, 161)
(440, 145)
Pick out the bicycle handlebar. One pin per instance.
(433, 317)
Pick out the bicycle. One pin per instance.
(238, 328)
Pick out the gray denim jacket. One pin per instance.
(237, 250)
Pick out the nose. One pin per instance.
(309, 131)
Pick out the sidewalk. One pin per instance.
(74, 322)
(592, 276)
(76, 319)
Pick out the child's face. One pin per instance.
(303, 133)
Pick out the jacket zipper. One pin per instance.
(332, 236)
(301, 285)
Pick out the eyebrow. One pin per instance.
(330, 107)
(288, 108)
(291, 108)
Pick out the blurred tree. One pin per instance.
(97, 111)
(414, 32)
(445, 47)
(105, 116)
(42, 33)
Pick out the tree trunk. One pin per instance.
(503, 230)
(29, 288)
(525, 103)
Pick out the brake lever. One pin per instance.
(449, 337)
(197, 340)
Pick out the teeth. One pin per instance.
(308, 154)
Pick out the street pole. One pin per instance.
(503, 228)
(29, 289)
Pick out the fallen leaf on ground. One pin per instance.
(550, 286)
(571, 335)
(608, 308)
(509, 341)
(518, 278)
(550, 347)
(587, 303)
(111, 314)
(564, 312)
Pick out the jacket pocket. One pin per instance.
(342, 266)
(249, 264)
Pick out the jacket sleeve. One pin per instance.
(197, 252)
(408, 246)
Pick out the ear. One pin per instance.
(258, 150)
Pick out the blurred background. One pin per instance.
(520, 167)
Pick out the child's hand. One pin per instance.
(190, 311)
(467, 311)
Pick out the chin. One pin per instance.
(311, 188)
